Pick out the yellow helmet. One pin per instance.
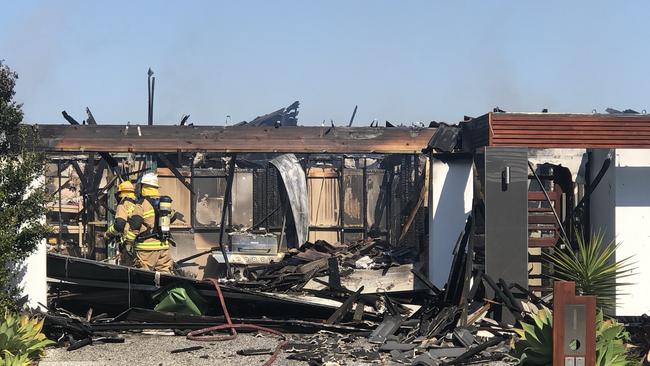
(125, 186)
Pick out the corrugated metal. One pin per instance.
(569, 130)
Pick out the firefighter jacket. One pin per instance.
(121, 225)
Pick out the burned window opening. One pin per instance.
(372, 189)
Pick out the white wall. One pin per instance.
(632, 218)
(450, 202)
(32, 273)
(573, 159)
(34, 281)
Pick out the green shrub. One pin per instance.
(21, 338)
(535, 344)
(22, 205)
(610, 342)
(593, 268)
(8, 359)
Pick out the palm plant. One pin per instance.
(593, 267)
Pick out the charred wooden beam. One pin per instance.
(116, 138)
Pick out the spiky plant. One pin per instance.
(20, 335)
(9, 359)
(593, 267)
(535, 344)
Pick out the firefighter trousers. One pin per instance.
(154, 260)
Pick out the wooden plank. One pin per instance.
(541, 242)
(115, 138)
(568, 117)
(546, 227)
(573, 145)
(566, 126)
(541, 219)
(539, 196)
(545, 131)
(548, 130)
(552, 140)
(574, 137)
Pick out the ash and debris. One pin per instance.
(158, 349)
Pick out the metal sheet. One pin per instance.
(209, 200)
(376, 208)
(242, 199)
(574, 329)
(506, 215)
(295, 183)
(353, 188)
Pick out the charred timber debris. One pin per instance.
(304, 294)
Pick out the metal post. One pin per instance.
(365, 198)
(193, 197)
(284, 220)
(150, 89)
(224, 211)
(342, 201)
(60, 239)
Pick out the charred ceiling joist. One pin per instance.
(135, 138)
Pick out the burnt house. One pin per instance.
(524, 180)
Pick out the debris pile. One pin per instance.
(314, 293)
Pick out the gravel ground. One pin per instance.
(155, 349)
(143, 349)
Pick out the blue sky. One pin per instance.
(402, 61)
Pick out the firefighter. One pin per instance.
(121, 228)
(152, 243)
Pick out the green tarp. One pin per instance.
(180, 299)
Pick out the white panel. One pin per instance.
(450, 202)
(33, 272)
(34, 281)
(633, 227)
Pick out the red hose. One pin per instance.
(198, 335)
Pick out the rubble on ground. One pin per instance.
(307, 294)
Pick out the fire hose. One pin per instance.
(200, 335)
